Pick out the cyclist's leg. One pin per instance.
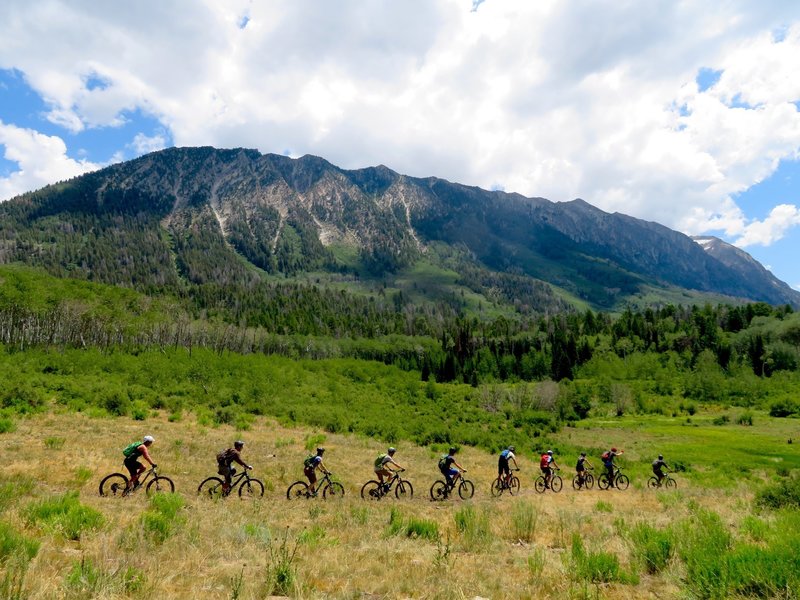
(311, 475)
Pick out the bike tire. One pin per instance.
(622, 482)
(159, 485)
(371, 490)
(576, 483)
(438, 490)
(113, 485)
(211, 488)
(589, 482)
(298, 490)
(334, 490)
(603, 481)
(539, 485)
(404, 490)
(556, 483)
(671, 483)
(466, 489)
(653, 483)
(515, 486)
(497, 488)
(251, 488)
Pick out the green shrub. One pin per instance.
(422, 528)
(475, 528)
(784, 408)
(7, 425)
(64, 515)
(603, 506)
(54, 443)
(785, 493)
(163, 518)
(746, 418)
(524, 518)
(281, 573)
(85, 579)
(16, 553)
(652, 547)
(596, 567)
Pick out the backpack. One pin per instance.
(544, 461)
(443, 462)
(309, 461)
(222, 456)
(130, 449)
(606, 455)
(379, 460)
(504, 453)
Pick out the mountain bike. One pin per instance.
(620, 480)
(586, 484)
(503, 483)
(441, 490)
(556, 483)
(373, 490)
(249, 487)
(667, 482)
(329, 489)
(116, 484)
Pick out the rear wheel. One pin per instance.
(404, 490)
(576, 482)
(160, 484)
(211, 488)
(466, 490)
(497, 488)
(251, 488)
(333, 490)
(622, 482)
(556, 483)
(603, 481)
(438, 490)
(113, 485)
(539, 485)
(298, 490)
(371, 490)
(652, 482)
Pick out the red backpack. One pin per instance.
(545, 460)
(606, 455)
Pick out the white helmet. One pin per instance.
(148, 438)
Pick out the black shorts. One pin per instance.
(546, 470)
(502, 466)
(133, 466)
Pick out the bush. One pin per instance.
(87, 580)
(783, 408)
(475, 528)
(163, 518)
(746, 418)
(596, 567)
(64, 515)
(16, 553)
(785, 493)
(652, 547)
(7, 425)
(524, 517)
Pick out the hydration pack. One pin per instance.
(130, 449)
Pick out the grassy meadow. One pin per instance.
(707, 539)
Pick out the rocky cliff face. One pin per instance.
(214, 211)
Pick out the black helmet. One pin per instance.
(453, 450)
(511, 448)
(583, 453)
(660, 457)
(238, 444)
(320, 450)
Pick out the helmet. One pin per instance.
(148, 438)
(550, 452)
(453, 450)
(238, 443)
(583, 453)
(511, 448)
(613, 449)
(660, 457)
(320, 450)
(391, 450)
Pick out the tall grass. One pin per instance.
(64, 515)
(652, 547)
(474, 527)
(596, 566)
(163, 518)
(16, 553)
(524, 518)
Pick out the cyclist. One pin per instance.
(132, 453)
(608, 462)
(450, 468)
(547, 463)
(382, 466)
(580, 468)
(658, 465)
(310, 465)
(225, 459)
(503, 471)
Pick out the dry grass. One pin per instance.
(230, 549)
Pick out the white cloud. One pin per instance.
(41, 160)
(774, 227)
(143, 144)
(561, 100)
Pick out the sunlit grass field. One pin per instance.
(639, 543)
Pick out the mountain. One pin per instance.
(185, 219)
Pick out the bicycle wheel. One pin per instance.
(603, 481)
(160, 484)
(652, 482)
(371, 490)
(622, 482)
(404, 490)
(113, 485)
(334, 490)
(671, 483)
(556, 483)
(515, 486)
(299, 489)
(497, 488)
(251, 488)
(539, 485)
(589, 482)
(438, 490)
(210, 488)
(576, 482)
(466, 489)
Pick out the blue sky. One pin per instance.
(672, 112)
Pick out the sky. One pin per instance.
(682, 112)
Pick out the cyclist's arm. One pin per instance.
(146, 455)
(458, 466)
(516, 466)
(321, 467)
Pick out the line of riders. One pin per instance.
(385, 466)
